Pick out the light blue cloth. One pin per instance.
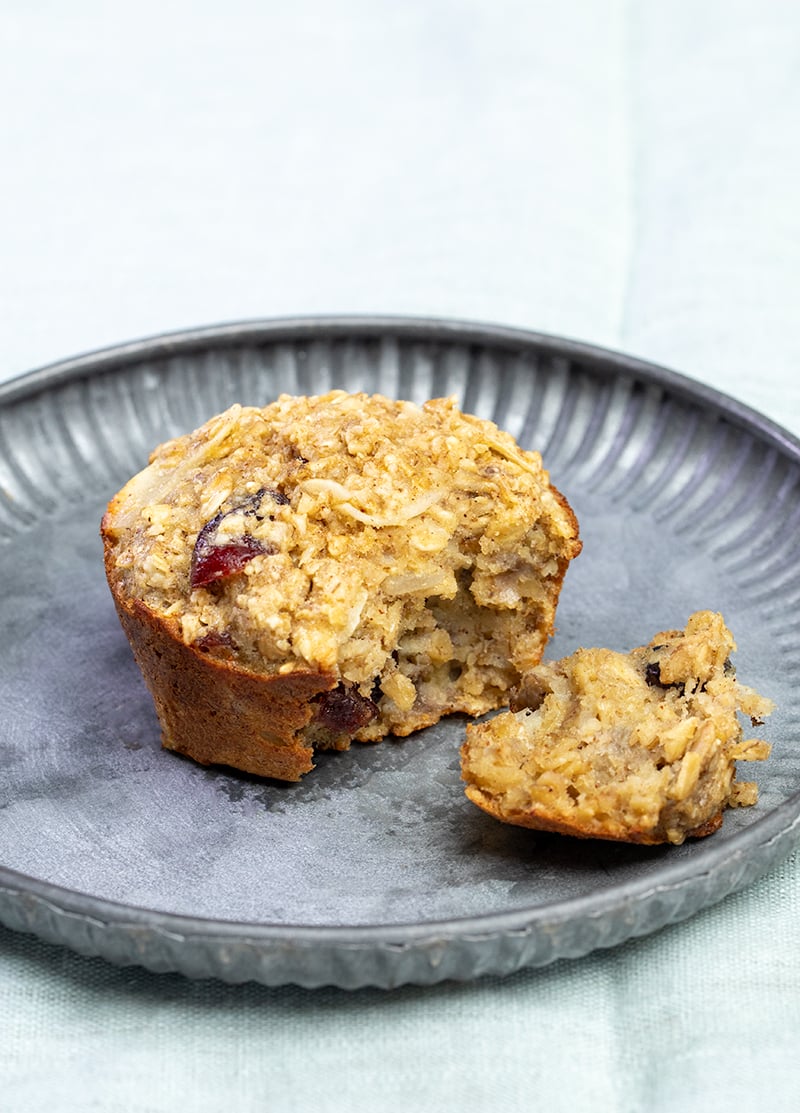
(624, 172)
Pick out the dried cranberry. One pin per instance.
(344, 710)
(214, 641)
(652, 674)
(213, 561)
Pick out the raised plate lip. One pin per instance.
(333, 326)
(781, 823)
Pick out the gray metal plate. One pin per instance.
(375, 869)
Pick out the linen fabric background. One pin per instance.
(617, 171)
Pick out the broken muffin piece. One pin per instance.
(333, 568)
(638, 747)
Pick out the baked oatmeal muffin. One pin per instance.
(638, 747)
(333, 568)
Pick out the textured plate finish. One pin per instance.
(375, 870)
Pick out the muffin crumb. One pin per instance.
(639, 747)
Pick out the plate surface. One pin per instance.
(375, 870)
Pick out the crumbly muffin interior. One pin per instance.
(639, 747)
(414, 552)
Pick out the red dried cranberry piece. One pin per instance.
(215, 641)
(212, 562)
(652, 674)
(344, 710)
